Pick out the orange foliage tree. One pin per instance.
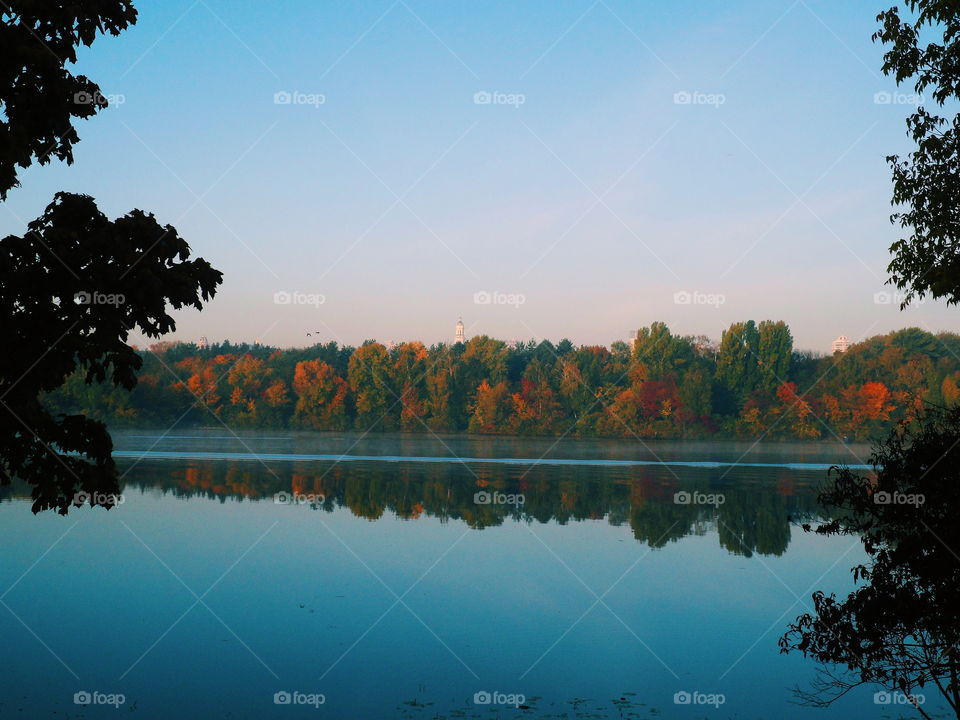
(321, 396)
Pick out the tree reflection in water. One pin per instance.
(750, 509)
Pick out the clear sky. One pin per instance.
(629, 151)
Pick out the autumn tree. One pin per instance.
(409, 378)
(796, 413)
(536, 407)
(203, 386)
(950, 389)
(482, 359)
(247, 379)
(276, 403)
(491, 407)
(871, 403)
(321, 396)
(441, 388)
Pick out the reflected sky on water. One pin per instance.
(404, 589)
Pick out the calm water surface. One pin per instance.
(238, 569)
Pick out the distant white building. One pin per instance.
(841, 344)
(204, 343)
(458, 337)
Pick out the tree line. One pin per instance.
(662, 385)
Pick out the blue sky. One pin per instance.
(582, 199)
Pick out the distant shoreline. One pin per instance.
(293, 457)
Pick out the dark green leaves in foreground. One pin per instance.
(39, 96)
(926, 183)
(900, 628)
(74, 286)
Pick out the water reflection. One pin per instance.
(752, 510)
(312, 584)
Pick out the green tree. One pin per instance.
(922, 50)
(662, 352)
(774, 353)
(738, 369)
(370, 377)
(695, 395)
